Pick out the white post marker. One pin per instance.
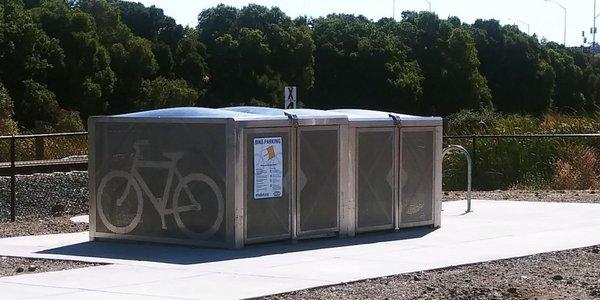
(291, 97)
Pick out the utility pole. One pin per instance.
(394, 10)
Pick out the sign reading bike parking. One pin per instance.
(291, 97)
(268, 168)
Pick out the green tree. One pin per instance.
(162, 93)
(7, 125)
(360, 65)
(520, 79)
(37, 103)
(26, 52)
(150, 23)
(86, 81)
(131, 57)
(189, 63)
(568, 93)
(447, 55)
(27, 55)
(253, 53)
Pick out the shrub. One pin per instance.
(468, 122)
(7, 125)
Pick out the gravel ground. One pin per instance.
(10, 266)
(45, 195)
(589, 196)
(572, 274)
(40, 227)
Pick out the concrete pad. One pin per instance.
(100, 295)
(219, 286)
(95, 277)
(495, 230)
(21, 291)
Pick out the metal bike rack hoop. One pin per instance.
(464, 151)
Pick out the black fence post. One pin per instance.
(13, 173)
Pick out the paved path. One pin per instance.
(496, 230)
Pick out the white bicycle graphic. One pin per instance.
(134, 180)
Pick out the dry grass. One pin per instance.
(577, 169)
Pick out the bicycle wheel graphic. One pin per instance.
(199, 210)
(116, 187)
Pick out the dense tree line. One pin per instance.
(62, 61)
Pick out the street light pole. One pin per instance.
(394, 10)
(594, 28)
(429, 2)
(527, 24)
(565, 10)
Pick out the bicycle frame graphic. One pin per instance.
(136, 182)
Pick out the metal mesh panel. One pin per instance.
(417, 176)
(318, 180)
(267, 218)
(375, 199)
(161, 180)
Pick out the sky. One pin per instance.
(546, 19)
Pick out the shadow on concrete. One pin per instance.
(185, 255)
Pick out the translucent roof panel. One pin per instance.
(373, 115)
(188, 112)
(314, 113)
(364, 115)
(269, 111)
(302, 114)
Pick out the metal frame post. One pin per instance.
(293, 182)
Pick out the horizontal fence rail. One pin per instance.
(43, 153)
(43, 135)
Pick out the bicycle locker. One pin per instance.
(165, 176)
(315, 171)
(235, 176)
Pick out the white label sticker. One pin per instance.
(268, 168)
